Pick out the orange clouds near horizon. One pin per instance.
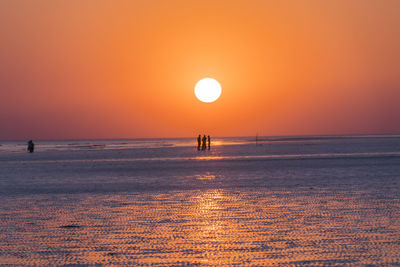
(127, 69)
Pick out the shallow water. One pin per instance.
(311, 202)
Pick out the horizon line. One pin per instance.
(189, 137)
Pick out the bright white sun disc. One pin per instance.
(207, 90)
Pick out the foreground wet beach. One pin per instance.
(211, 227)
(232, 208)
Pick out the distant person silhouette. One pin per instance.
(204, 145)
(209, 142)
(31, 146)
(198, 142)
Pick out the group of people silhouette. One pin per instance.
(202, 142)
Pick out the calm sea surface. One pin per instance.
(301, 201)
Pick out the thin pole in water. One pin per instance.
(256, 139)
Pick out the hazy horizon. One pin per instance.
(350, 135)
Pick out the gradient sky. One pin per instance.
(127, 69)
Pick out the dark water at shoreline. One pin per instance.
(311, 202)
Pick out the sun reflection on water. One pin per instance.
(206, 176)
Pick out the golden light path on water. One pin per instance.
(209, 227)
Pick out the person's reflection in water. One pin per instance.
(198, 142)
(31, 146)
(209, 142)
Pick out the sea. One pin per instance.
(265, 201)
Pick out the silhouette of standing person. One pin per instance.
(198, 142)
(31, 146)
(204, 145)
(209, 142)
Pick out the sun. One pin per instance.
(207, 90)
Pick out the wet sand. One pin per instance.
(233, 208)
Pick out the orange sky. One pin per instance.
(127, 69)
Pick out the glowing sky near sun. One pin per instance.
(126, 69)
